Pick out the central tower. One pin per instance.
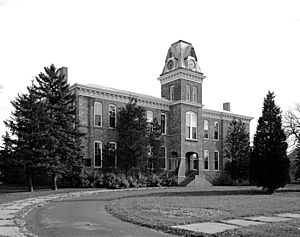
(181, 83)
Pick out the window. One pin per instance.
(163, 123)
(194, 94)
(188, 92)
(172, 96)
(191, 125)
(205, 128)
(216, 133)
(164, 156)
(112, 153)
(206, 159)
(149, 116)
(98, 114)
(216, 160)
(98, 155)
(112, 116)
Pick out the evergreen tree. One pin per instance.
(132, 139)
(237, 151)
(269, 163)
(63, 151)
(26, 123)
(297, 164)
(155, 161)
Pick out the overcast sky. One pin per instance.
(245, 48)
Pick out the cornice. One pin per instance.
(225, 115)
(185, 102)
(101, 93)
(181, 73)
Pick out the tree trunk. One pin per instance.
(30, 186)
(54, 182)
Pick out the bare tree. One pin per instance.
(292, 125)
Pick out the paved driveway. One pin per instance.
(83, 217)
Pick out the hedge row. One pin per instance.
(111, 180)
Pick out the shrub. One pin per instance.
(168, 178)
(154, 181)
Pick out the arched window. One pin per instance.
(194, 94)
(216, 133)
(98, 114)
(205, 128)
(191, 125)
(112, 116)
(163, 123)
(172, 95)
(188, 92)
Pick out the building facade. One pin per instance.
(193, 136)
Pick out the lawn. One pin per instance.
(162, 210)
(10, 193)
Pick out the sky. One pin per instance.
(244, 48)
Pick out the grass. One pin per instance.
(10, 193)
(162, 210)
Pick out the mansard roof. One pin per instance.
(181, 53)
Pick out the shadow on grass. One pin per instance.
(6, 188)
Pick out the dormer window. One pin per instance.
(170, 55)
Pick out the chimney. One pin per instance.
(226, 106)
(63, 71)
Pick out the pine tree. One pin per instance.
(132, 140)
(237, 151)
(269, 163)
(26, 123)
(63, 151)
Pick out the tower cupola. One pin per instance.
(181, 54)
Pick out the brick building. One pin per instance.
(193, 136)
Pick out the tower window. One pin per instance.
(194, 94)
(172, 96)
(216, 132)
(163, 123)
(98, 154)
(112, 116)
(206, 160)
(98, 114)
(191, 125)
(188, 92)
(205, 128)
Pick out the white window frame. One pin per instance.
(187, 92)
(98, 103)
(165, 127)
(206, 151)
(112, 105)
(96, 166)
(216, 152)
(217, 131)
(172, 93)
(116, 158)
(205, 120)
(194, 94)
(191, 125)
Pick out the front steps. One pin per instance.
(194, 180)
